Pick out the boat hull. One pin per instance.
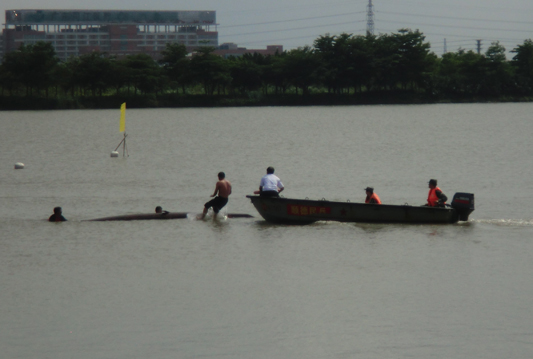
(143, 216)
(304, 211)
(159, 216)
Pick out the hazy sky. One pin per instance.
(292, 23)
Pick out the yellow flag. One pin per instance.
(123, 117)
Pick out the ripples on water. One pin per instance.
(506, 222)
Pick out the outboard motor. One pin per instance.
(463, 203)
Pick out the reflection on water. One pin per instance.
(241, 287)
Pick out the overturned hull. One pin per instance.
(303, 211)
(143, 216)
(160, 216)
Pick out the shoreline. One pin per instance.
(19, 103)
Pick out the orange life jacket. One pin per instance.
(374, 197)
(432, 197)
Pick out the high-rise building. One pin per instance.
(116, 32)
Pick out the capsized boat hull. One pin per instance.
(303, 211)
(143, 216)
(159, 216)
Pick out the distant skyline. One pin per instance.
(296, 23)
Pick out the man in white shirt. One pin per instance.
(270, 185)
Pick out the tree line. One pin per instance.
(339, 66)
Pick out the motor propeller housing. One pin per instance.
(463, 204)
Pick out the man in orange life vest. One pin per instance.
(435, 196)
(371, 197)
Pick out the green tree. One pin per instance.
(523, 65)
(301, 67)
(63, 79)
(342, 62)
(32, 66)
(447, 76)
(471, 72)
(498, 71)
(210, 70)
(362, 55)
(264, 64)
(275, 73)
(143, 73)
(329, 69)
(93, 72)
(245, 73)
(67, 76)
(412, 61)
(43, 62)
(461, 73)
(118, 77)
(8, 79)
(176, 65)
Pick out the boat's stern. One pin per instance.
(463, 203)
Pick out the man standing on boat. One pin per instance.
(435, 196)
(371, 197)
(221, 194)
(270, 185)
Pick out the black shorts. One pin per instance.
(217, 203)
(269, 194)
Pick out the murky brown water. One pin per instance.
(242, 288)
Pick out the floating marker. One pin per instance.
(122, 128)
(19, 165)
(122, 124)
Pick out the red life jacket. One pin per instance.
(432, 197)
(374, 197)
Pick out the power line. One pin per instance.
(283, 39)
(293, 20)
(391, 21)
(292, 29)
(362, 31)
(284, 9)
(456, 18)
(361, 12)
(463, 27)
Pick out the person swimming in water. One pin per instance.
(159, 210)
(57, 216)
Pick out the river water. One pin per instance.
(243, 288)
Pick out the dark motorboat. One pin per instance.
(304, 211)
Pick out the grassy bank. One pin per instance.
(10, 103)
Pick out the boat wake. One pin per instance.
(505, 222)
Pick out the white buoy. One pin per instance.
(19, 165)
(114, 154)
